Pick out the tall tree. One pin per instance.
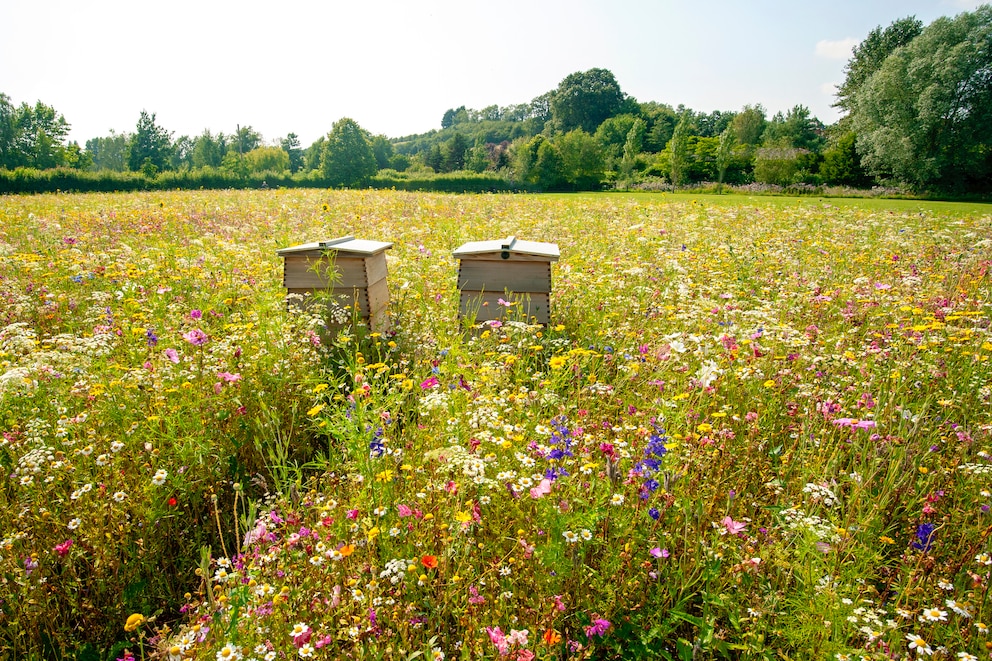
(678, 146)
(585, 99)
(797, 128)
(348, 159)
(110, 152)
(925, 116)
(724, 155)
(291, 145)
(582, 160)
(150, 147)
(749, 125)
(208, 151)
(34, 135)
(8, 136)
(869, 55)
(382, 148)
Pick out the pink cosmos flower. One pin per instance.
(659, 552)
(63, 548)
(196, 337)
(227, 376)
(541, 489)
(172, 355)
(733, 527)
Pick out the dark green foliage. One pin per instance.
(33, 136)
(871, 53)
(291, 145)
(109, 153)
(347, 159)
(584, 100)
(924, 117)
(842, 164)
(150, 147)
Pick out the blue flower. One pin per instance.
(924, 537)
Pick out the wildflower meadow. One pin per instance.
(754, 428)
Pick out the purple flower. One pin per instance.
(196, 337)
(597, 628)
(195, 314)
(924, 537)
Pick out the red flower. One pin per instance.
(173, 502)
(429, 561)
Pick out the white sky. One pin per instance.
(395, 66)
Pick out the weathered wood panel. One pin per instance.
(302, 271)
(484, 306)
(486, 275)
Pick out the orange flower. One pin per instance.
(346, 550)
(429, 561)
(551, 637)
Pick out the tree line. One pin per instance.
(918, 115)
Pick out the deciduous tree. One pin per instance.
(924, 117)
(348, 159)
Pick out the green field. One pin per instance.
(754, 428)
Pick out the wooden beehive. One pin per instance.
(515, 271)
(351, 272)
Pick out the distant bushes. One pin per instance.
(449, 182)
(30, 180)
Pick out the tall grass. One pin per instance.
(755, 431)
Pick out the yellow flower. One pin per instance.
(463, 517)
(557, 362)
(315, 410)
(134, 621)
(320, 387)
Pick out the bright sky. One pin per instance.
(395, 66)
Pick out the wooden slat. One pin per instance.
(301, 272)
(485, 306)
(375, 268)
(485, 275)
(378, 296)
(514, 257)
(341, 296)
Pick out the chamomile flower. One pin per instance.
(160, 476)
(920, 645)
(229, 653)
(933, 614)
(570, 537)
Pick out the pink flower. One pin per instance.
(195, 314)
(63, 548)
(172, 355)
(518, 637)
(541, 489)
(733, 527)
(352, 514)
(227, 376)
(499, 640)
(404, 510)
(659, 552)
(196, 337)
(525, 655)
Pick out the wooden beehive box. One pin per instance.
(352, 272)
(510, 269)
